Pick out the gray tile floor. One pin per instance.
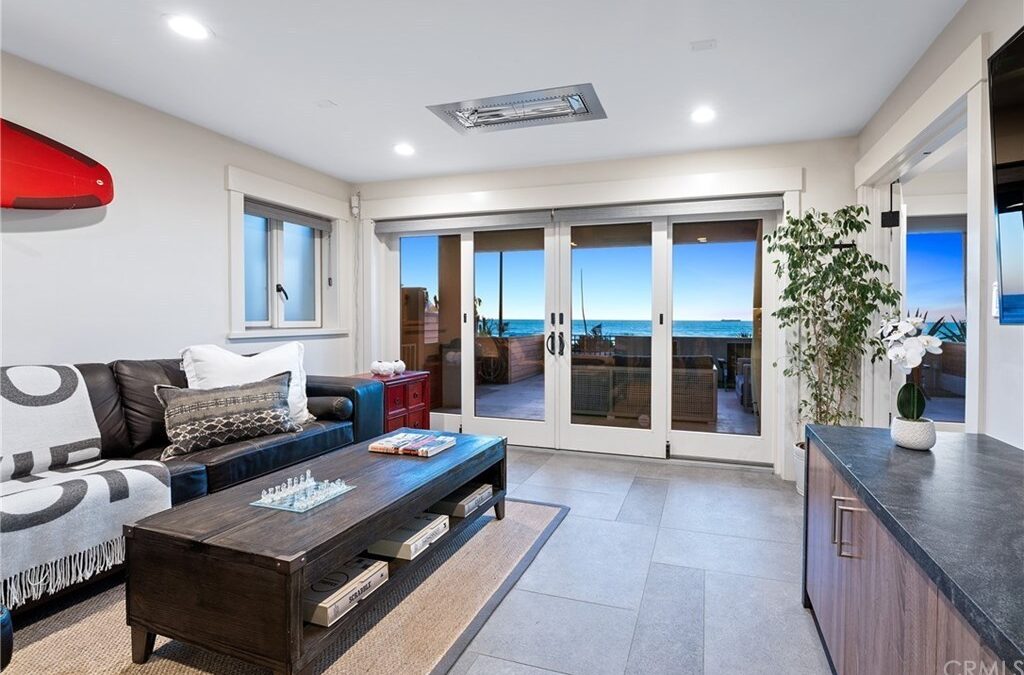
(659, 568)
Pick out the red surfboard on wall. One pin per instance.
(37, 172)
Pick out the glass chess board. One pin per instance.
(302, 493)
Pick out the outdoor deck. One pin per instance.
(524, 400)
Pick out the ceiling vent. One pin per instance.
(577, 103)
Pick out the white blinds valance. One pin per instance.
(265, 210)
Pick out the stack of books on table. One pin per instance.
(412, 538)
(340, 590)
(408, 443)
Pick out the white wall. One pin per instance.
(1001, 386)
(1000, 18)
(148, 274)
(828, 172)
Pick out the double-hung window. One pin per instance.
(284, 278)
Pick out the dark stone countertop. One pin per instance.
(957, 509)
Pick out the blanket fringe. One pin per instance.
(59, 574)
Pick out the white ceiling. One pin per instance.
(783, 70)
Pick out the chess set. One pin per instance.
(302, 493)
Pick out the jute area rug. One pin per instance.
(419, 626)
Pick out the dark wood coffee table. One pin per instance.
(227, 576)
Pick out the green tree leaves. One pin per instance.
(833, 294)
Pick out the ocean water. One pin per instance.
(616, 327)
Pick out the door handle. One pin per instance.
(839, 544)
(835, 502)
(561, 344)
(551, 343)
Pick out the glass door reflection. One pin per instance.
(509, 327)
(610, 383)
(716, 327)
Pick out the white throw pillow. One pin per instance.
(210, 366)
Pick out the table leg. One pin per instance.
(142, 644)
(499, 509)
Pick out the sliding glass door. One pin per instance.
(508, 301)
(717, 377)
(612, 365)
(640, 336)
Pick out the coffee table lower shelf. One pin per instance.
(316, 638)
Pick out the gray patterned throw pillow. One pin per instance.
(197, 419)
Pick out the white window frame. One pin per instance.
(275, 275)
(335, 252)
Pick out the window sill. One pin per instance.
(286, 333)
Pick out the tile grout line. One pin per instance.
(704, 621)
(559, 487)
(523, 663)
(643, 596)
(586, 602)
(732, 536)
(623, 504)
(730, 574)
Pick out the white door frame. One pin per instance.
(749, 449)
(649, 442)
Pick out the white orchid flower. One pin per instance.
(898, 355)
(914, 352)
(916, 321)
(932, 344)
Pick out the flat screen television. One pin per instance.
(1006, 98)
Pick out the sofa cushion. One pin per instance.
(106, 405)
(213, 367)
(330, 407)
(188, 478)
(235, 463)
(198, 419)
(143, 412)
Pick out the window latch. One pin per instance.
(280, 289)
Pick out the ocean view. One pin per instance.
(617, 327)
(614, 327)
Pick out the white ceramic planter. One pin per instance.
(799, 461)
(913, 434)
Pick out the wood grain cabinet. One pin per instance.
(407, 400)
(877, 610)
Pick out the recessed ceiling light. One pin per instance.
(404, 149)
(702, 114)
(702, 240)
(186, 26)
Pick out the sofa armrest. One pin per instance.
(367, 398)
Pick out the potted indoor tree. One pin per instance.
(906, 344)
(833, 292)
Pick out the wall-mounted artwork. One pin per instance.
(37, 172)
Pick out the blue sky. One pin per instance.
(935, 274)
(712, 281)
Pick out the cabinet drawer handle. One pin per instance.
(835, 514)
(839, 544)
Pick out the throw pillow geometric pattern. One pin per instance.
(197, 419)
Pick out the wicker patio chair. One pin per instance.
(694, 389)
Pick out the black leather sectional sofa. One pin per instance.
(131, 422)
